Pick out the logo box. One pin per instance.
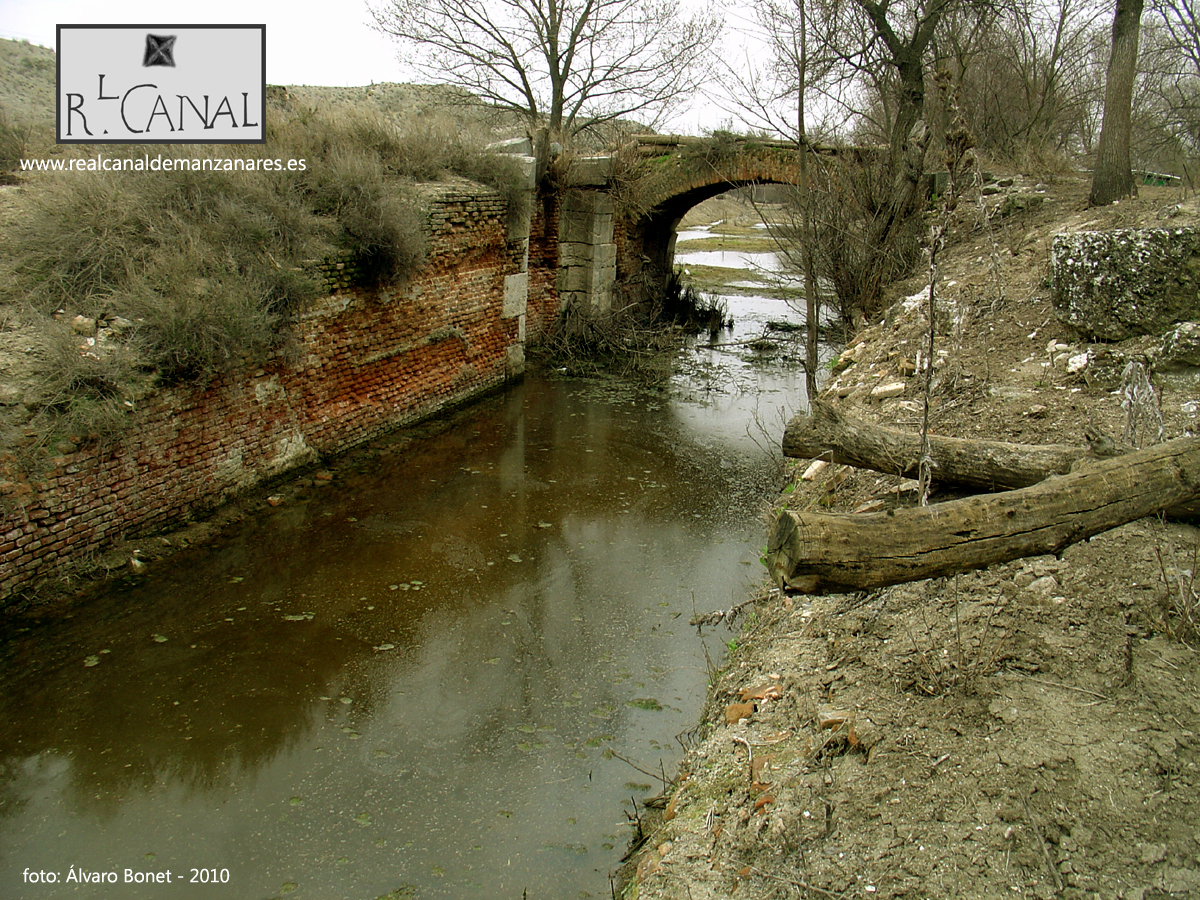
(161, 84)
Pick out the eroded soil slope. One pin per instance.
(1025, 730)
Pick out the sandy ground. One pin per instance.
(1025, 730)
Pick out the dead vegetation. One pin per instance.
(115, 281)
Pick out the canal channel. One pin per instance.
(445, 667)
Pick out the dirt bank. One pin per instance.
(1026, 730)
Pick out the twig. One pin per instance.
(803, 885)
(640, 836)
(749, 757)
(1057, 684)
(716, 617)
(1165, 662)
(1058, 885)
(629, 762)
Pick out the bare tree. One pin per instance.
(1179, 16)
(905, 31)
(772, 93)
(866, 59)
(1026, 74)
(1167, 102)
(565, 65)
(901, 34)
(1112, 177)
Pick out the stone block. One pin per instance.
(602, 229)
(605, 256)
(516, 295)
(1114, 285)
(573, 278)
(601, 279)
(586, 217)
(591, 171)
(1178, 348)
(519, 146)
(586, 230)
(514, 361)
(572, 299)
(574, 253)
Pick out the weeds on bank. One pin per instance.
(682, 306)
(14, 139)
(1180, 606)
(946, 662)
(206, 268)
(639, 340)
(623, 343)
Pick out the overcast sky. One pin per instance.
(318, 42)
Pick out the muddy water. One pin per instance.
(424, 677)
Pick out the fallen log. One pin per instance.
(823, 553)
(827, 433)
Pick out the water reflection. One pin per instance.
(410, 679)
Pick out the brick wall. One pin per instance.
(543, 264)
(361, 363)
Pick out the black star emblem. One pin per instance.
(160, 50)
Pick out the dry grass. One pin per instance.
(209, 266)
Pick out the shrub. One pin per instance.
(209, 265)
(684, 307)
(13, 141)
(196, 336)
(96, 237)
(82, 392)
(380, 224)
(436, 147)
(858, 237)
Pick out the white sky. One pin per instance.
(316, 42)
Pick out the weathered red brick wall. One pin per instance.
(543, 264)
(361, 362)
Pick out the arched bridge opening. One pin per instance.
(604, 252)
(652, 236)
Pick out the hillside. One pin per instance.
(27, 82)
(1030, 729)
(27, 73)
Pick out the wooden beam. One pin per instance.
(820, 553)
(826, 433)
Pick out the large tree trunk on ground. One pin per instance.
(816, 553)
(826, 433)
(1112, 178)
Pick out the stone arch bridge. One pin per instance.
(618, 216)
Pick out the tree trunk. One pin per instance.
(826, 433)
(817, 554)
(1112, 178)
(812, 302)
